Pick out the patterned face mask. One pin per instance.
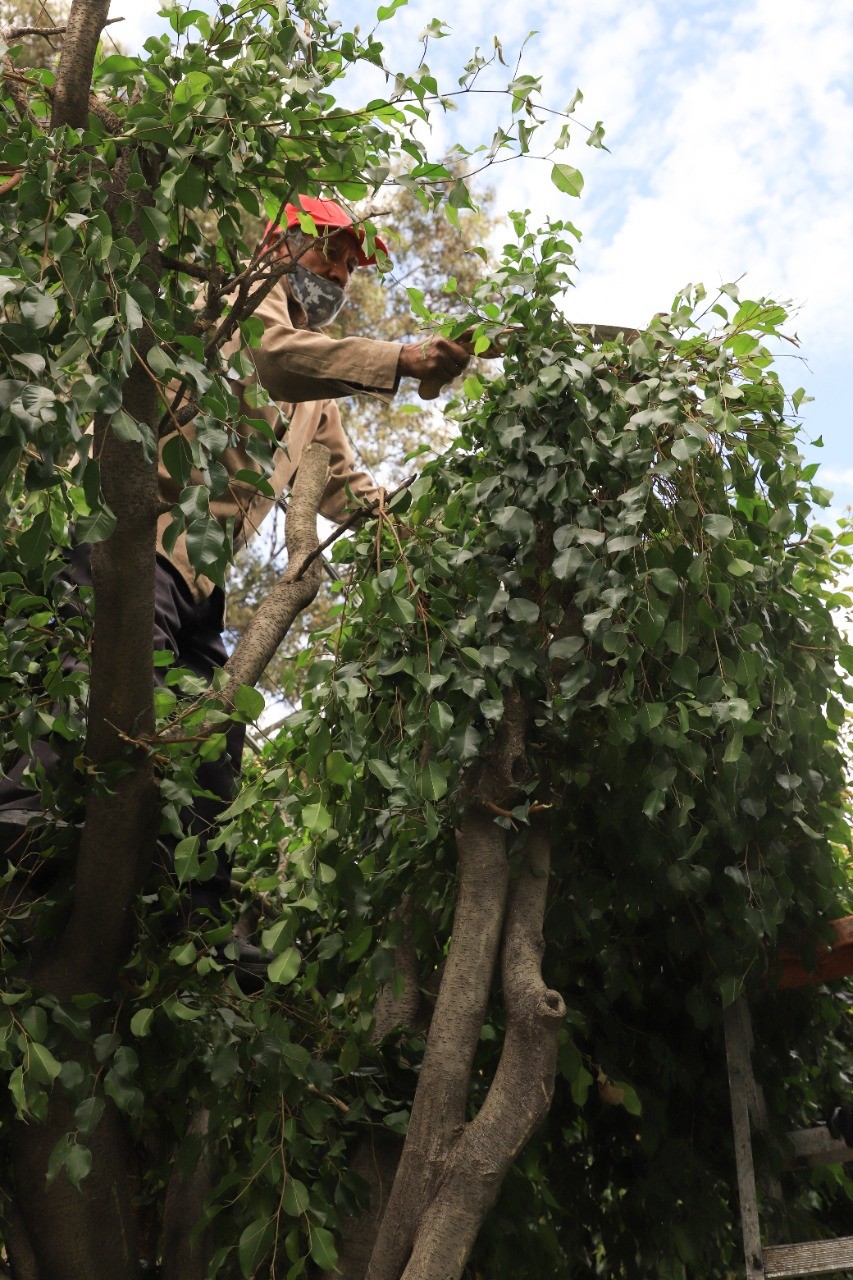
(320, 299)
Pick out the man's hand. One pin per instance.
(433, 363)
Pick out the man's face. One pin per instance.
(334, 257)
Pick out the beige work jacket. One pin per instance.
(302, 371)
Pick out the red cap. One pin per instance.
(326, 213)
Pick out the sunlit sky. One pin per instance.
(730, 135)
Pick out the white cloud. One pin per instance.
(731, 136)
(139, 21)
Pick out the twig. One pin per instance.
(15, 33)
(188, 268)
(11, 183)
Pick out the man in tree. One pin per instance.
(302, 371)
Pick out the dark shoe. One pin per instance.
(248, 962)
(840, 1123)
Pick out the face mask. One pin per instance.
(320, 299)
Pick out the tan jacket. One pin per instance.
(302, 371)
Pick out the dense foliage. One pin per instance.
(620, 534)
(624, 534)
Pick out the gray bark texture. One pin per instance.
(86, 1234)
(292, 593)
(86, 21)
(186, 1252)
(451, 1168)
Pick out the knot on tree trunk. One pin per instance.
(505, 768)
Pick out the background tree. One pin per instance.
(598, 631)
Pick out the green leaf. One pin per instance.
(153, 224)
(249, 702)
(34, 543)
(285, 967)
(386, 775)
(41, 1064)
(316, 819)
(441, 719)
(401, 610)
(125, 427)
(255, 1243)
(685, 672)
(717, 526)
(566, 648)
(140, 1023)
(323, 1249)
(186, 859)
(38, 307)
(87, 1115)
(521, 610)
(433, 781)
(651, 715)
(295, 1198)
(384, 12)
(740, 568)
(567, 179)
(95, 527)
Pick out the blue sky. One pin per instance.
(730, 129)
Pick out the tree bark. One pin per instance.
(438, 1113)
(294, 591)
(121, 821)
(85, 1234)
(520, 1095)
(186, 1255)
(451, 1169)
(86, 21)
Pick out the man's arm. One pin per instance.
(295, 365)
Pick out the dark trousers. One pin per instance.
(193, 633)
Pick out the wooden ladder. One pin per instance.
(810, 1146)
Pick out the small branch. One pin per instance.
(111, 122)
(187, 268)
(15, 33)
(11, 183)
(17, 93)
(338, 1103)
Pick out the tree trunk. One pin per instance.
(451, 1167)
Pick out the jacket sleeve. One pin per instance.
(296, 365)
(346, 487)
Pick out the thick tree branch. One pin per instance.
(121, 810)
(16, 33)
(19, 1248)
(103, 1240)
(438, 1114)
(294, 591)
(86, 21)
(521, 1092)
(186, 1256)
